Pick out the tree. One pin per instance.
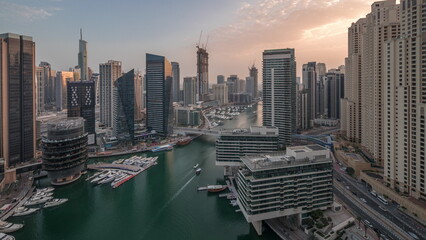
(350, 171)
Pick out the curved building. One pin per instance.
(65, 150)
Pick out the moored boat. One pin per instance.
(23, 211)
(167, 147)
(55, 202)
(6, 237)
(196, 166)
(198, 171)
(216, 188)
(6, 227)
(184, 141)
(37, 200)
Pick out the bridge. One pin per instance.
(185, 131)
(323, 140)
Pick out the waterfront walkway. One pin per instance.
(103, 166)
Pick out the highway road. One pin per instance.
(352, 189)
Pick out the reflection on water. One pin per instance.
(161, 203)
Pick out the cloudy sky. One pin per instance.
(238, 31)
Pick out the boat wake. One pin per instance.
(167, 204)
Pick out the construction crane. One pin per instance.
(199, 40)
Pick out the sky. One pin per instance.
(236, 32)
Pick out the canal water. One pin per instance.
(160, 203)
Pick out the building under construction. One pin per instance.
(202, 72)
(65, 150)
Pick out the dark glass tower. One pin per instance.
(81, 103)
(17, 98)
(158, 94)
(124, 106)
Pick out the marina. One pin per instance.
(120, 171)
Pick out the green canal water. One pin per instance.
(160, 203)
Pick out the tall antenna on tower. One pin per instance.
(81, 34)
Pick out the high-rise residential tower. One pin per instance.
(220, 92)
(334, 91)
(255, 75)
(202, 72)
(309, 78)
(279, 92)
(351, 104)
(108, 73)
(158, 94)
(189, 90)
(82, 58)
(17, 99)
(176, 81)
(382, 24)
(405, 103)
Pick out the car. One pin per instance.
(347, 187)
(338, 179)
(367, 223)
(354, 193)
(363, 200)
(383, 208)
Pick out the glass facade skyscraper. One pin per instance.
(158, 94)
(17, 98)
(124, 106)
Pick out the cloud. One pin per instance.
(317, 29)
(12, 12)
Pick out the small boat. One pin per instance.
(184, 141)
(55, 202)
(216, 188)
(167, 147)
(43, 194)
(6, 227)
(23, 211)
(198, 171)
(6, 237)
(45, 190)
(196, 166)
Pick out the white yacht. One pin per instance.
(45, 190)
(6, 227)
(23, 211)
(35, 201)
(55, 202)
(196, 166)
(47, 194)
(6, 237)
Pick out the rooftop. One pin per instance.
(16, 36)
(65, 124)
(279, 160)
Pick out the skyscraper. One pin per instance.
(124, 106)
(176, 81)
(334, 91)
(250, 86)
(351, 104)
(279, 92)
(81, 103)
(320, 96)
(220, 79)
(189, 90)
(82, 58)
(62, 77)
(17, 99)
(309, 78)
(382, 25)
(158, 94)
(220, 92)
(109, 72)
(139, 99)
(40, 89)
(404, 103)
(202, 72)
(254, 74)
